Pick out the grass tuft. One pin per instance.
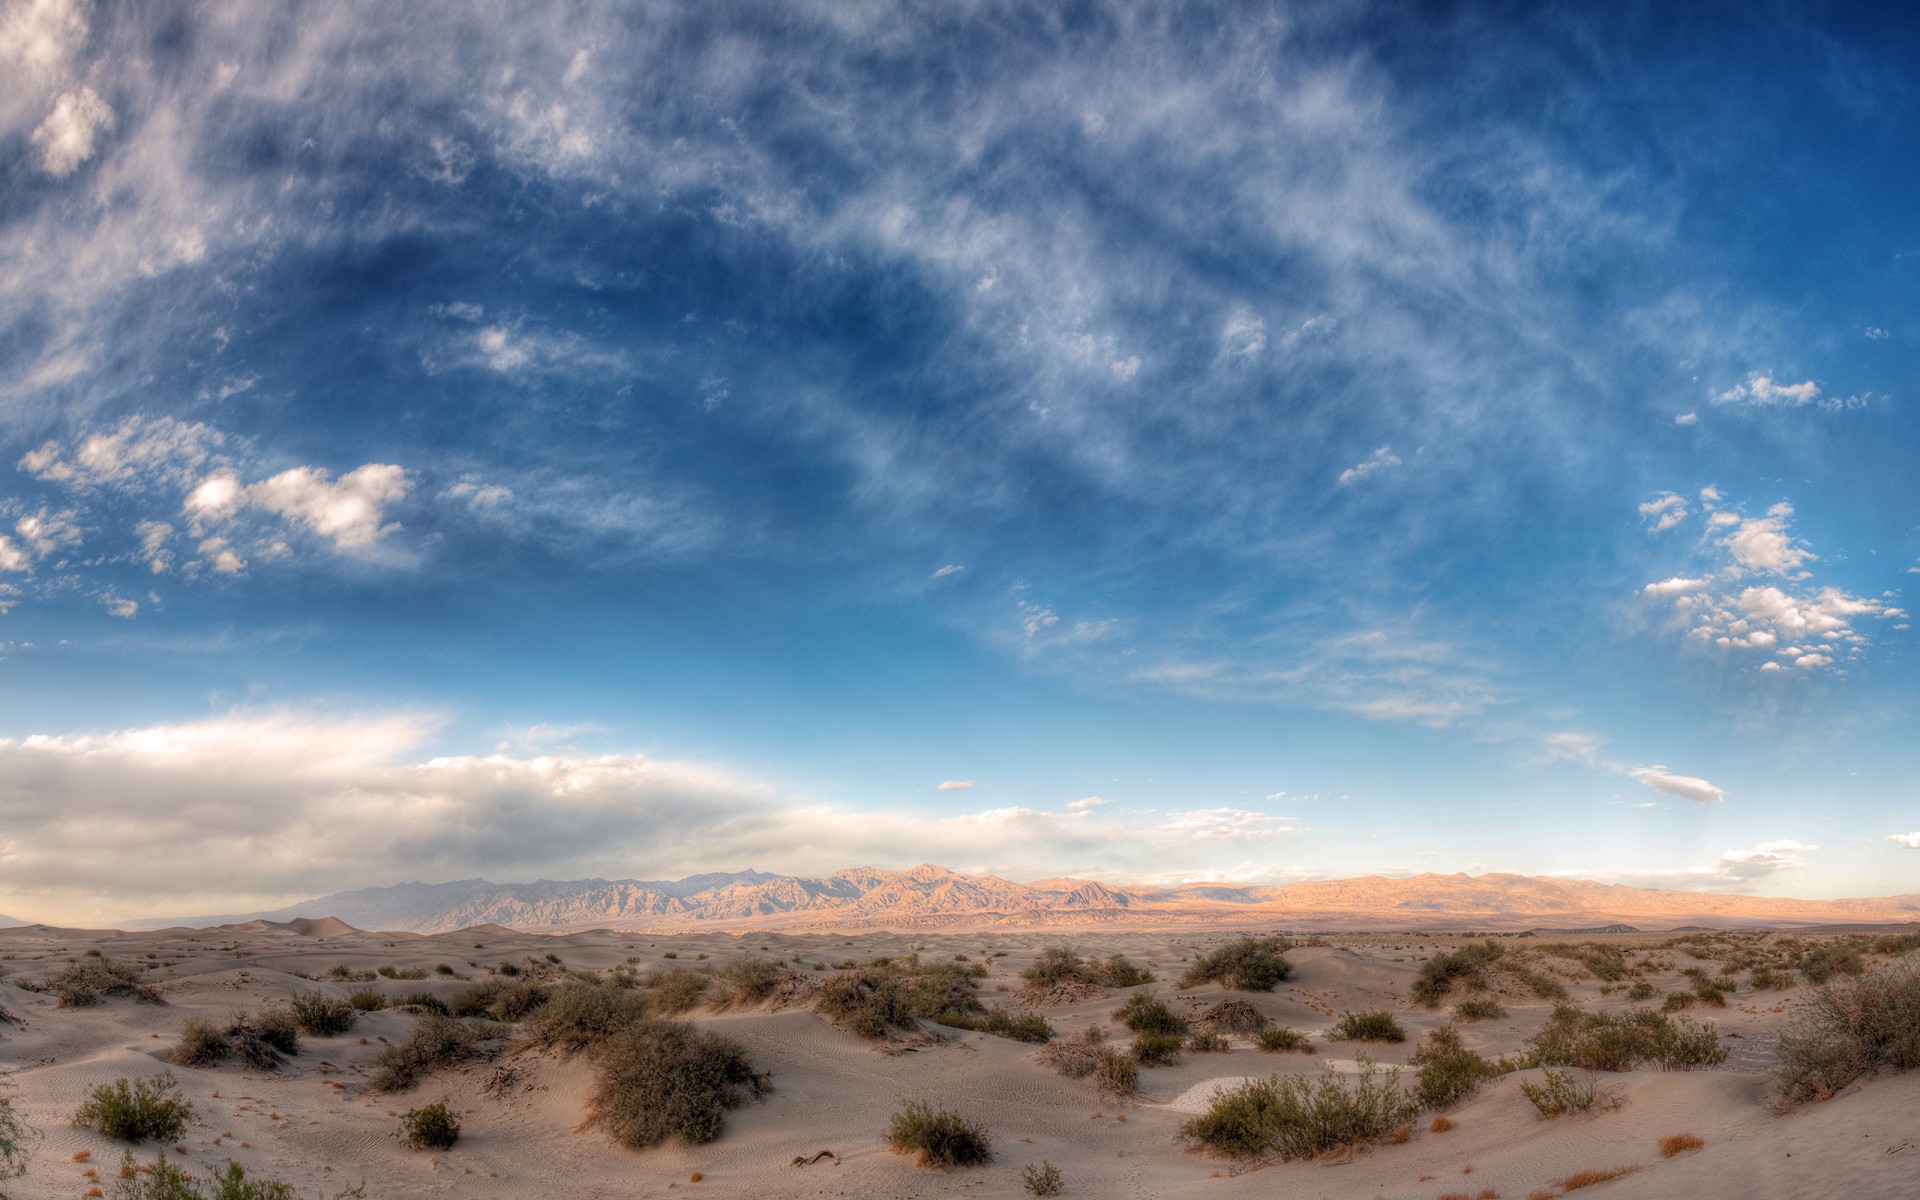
(938, 1138)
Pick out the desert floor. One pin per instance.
(317, 1124)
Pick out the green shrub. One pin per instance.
(388, 972)
(1287, 1117)
(1201, 1042)
(434, 1127)
(1022, 1027)
(200, 1044)
(1621, 1041)
(1376, 1026)
(662, 1079)
(506, 1000)
(1824, 962)
(1765, 978)
(367, 1000)
(938, 1137)
(1156, 1049)
(1061, 964)
(1448, 1072)
(16, 1139)
(136, 1110)
(1277, 1039)
(1642, 990)
(883, 995)
(1896, 943)
(1479, 1010)
(427, 1002)
(748, 982)
(1545, 986)
(1043, 1180)
(436, 1041)
(1146, 1013)
(1246, 965)
(347, 974)
(1467, 965)
(578, 1016)
(677, 989)
(1606, 962)
(1850, 1028)
(164, 1180)
(278, 1028)
(320, 1015)
(1559, 1092)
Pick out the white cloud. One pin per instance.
(119, 606)
(1663, 512)
(1687, 787)
(154, 536)
(1763, 390)
(12, 556)
(1877, 334)
(1687, 418)
(1732, 869)
(1127, 367)
(956, 785)
(1908, 841)
(47, 531)
(154, 449)
(1086, 803)
(65, 138)
(1379, 460)
(949, 569)
(1762, 543)
(1676, 586)
(1244, 336)
(1710, 495)
(1573, 746)
(1222, 824)
(348, 512)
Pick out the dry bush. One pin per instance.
(1156, 1049)
(200, 1044)
(1277, 1039)
(1043, 1180)
(1286, 1117)
(1085, 1057)
(1231, 1016)
(1376, 1026)
(1246, 965)
(436, 1041)
(1145, 1012)
(1058, 965)
(506, 1000)
(320, 1015)
(938, 1137)
(1478, 1010)
(1621, 1041)
(86, 983)
(1020, 1027)
(746, 983)
(433, 1127)
(1587, 1179)
(1440, 1125)
(677, 989)
(1558, 1093)
(1467, 965)
(884, 995)
(1848, 1029)
(1679, 1143)
(578, 1016)
(667, 1079)
(1202, 1042)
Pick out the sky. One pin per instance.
(1249, 442)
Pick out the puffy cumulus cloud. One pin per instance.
(1875, 333)
(1907, 841)
(65, 138)
(349, 512)
(1763, 390)
(1687, 418)
(1086, 803)
(253, 809)
(956, 785)
(1757, 594)
(1687, 787)
(1733, 870)
(1380, 460)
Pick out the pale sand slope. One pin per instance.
(835, 1091)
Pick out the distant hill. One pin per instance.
(7, 922)
(929, 897)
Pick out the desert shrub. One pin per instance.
(367, 1000)
(677, 989)
(1448, 1072)
(445, 969)
(435, 1041)
(419, 1002)
(1231, 1016)
(1606, 962)
(1156, 1049)
(1478, 1010)
(347, 974)
(87, 982)
(938, 1137)
(320, 1015)
(251, 1047)
(1848, 1029)
(1291, 1116)
(578, 1016)
(1022, 1027)
(1559, 1092)
(1896, 943)
(1085, 1057)
(1592, 1178)
(278, 1028)
(1202, 1042)
(1246, 965)
(662, 1079)
(136, 1110)
(1545, 986)
(1679, 1143)
(1119, 971)
(165, 1180)
(1276, 1039)
(1678, 1002)
(433, 1127)
(1146, 1013)
(1467, 965)
(507, 1000)
(391, 972)
(1765, 978)
(1621, 1041)
(1043, 1180)
(1642, 990)
(1822, 963)
(752, 981)
(1061, 964)
(200, 1044)
(883, 995)
(16, 1138)
(1376, 1026)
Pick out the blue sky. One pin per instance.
(1246, 441)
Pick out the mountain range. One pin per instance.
(929, 896)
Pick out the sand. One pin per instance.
(317, 1125)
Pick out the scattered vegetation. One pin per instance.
(1850, 1028)
(1145, 1012)
(163, 1180)
(1559, 1092)
(1202, 1042)
(1021, 1027)
(367, 1000)
(1043, 1180)
(882, 995)
(1448, 1072)
(1231, 1016)
(1823, 962)
(1156, 1049)
(1087, 1057)
(433, 1127)
(578, 1016)
(507, 1000)
(436, 1041)
(1478, 1010)
(320, 1015)
(137, 1110)
(1467, 965)
(200, 1044)
(1642, 990)
(1621, 1041)
(85, 983)
(677, 989)
(667, 1079)
(1246, 965)
(1376, 1026)
(16, 1140)
(747, 982)
(392, 972)
(1287, 1117)
(1679, 1143)
(1587, 1179)
(1279, 1039)
(938, 1137)
(1063, 965)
